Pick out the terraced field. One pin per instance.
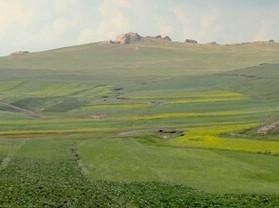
(95, 138)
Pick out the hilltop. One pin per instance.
(146, 56)
(131, 37)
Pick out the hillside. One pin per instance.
(152, 123)
(160, 59)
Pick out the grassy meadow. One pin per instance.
(79, 126)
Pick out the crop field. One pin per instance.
(75, 136)
(211, 137)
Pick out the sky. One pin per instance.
(36, 25)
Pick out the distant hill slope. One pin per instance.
(259, 82)
(161, 59)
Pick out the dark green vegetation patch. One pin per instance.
(54, 179)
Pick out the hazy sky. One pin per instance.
(43, 24)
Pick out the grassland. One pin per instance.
(82, 129)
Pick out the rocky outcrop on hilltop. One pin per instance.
(135, 37)
(128, 38)
(191, 41)
(158, 37)
(213, 43)
(18, 53)
(154, 37)
(167, 38)
(269, 129)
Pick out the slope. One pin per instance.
(147, 59)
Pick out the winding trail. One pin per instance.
(19, 109)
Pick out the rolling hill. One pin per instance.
(153, 123)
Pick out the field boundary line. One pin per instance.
(79, 162)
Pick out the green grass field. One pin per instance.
(79, 126)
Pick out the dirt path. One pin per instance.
(22, 110)
(80, 164)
